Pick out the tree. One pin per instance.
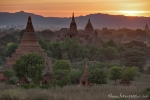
(100, 55)
(129, 73)
(61, 65)
(110, 53)
(11, 47)
(134, 57)
(74, 76)
(65, 56)
(111, 43)
(98, 76)
(72, 47)
(2, 54)
(8, 74)
(115, 73)
(30, 65)
(61, 71)
(55, 48)
(61, 78)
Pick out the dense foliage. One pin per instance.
(115, 73)
(69, 56)
(30, 65)
(98, 76)
(8, 73)
(130, 73)
(61, 70)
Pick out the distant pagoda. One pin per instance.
(84, 77)
(146, 27)
(29, 44)
(73, 29)
(89, 28)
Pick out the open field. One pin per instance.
(96, 92)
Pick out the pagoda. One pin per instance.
(84, 77)
(29, 44)
(73, 29)
(89, 28)
(146, 27)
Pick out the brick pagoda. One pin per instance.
(29, 44)
(84, 77)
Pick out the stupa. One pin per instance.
(73, 29)
(84, 77)
(89, 28)
(29, 44)
(146, 27)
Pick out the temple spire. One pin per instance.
(89, 28)
(29, 27)
(89, 21)
(146, 27)
(73, 19)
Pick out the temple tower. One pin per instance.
(29, 44)
(89, 28)
(146, 27)
(84, 77)
(73, 28)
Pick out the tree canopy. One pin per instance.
(30, 65)
(115, 73)
(98, 76)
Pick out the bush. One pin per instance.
(98, 76)
(31, 86)
(8, 73)
(44, 86)
(147, 92)
(61, 78)
(12, 80)
(28, 86)
(24, 86)
(62, 65)
(129, 73)
(75, 76)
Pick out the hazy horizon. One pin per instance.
(64, 8)
(74, 14)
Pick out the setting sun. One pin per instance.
(132, 13)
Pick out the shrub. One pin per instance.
(24, 86)
(74, 76)
(129, 73)
(8, 73)
(31, 86)
(44, 86)
(98, 76)
(61, 65)
(12, 80)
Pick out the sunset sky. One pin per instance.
(64, 8)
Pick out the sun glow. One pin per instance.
(131, 13)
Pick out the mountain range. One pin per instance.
(98, 20)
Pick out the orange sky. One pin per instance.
(64, 8)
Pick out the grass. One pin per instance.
(76, 92)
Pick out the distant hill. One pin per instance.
(98, 20)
